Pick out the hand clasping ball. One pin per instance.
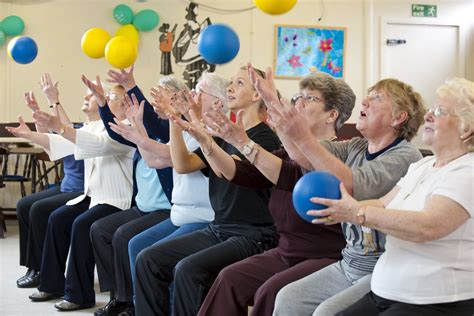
(314, 184)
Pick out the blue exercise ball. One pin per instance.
(218, 44)
(314, 184)
(22, 49)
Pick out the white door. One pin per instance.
(421, 54)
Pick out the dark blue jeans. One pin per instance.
(68, 227)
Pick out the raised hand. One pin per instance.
(343, 210)
(194, 126)
(31, 102)
(49, 121)
(131, 132)
(266, 87)
(182, 102)
(96, 89)
(122, 77)
(162, 99)
(134, 111)
(289, 121)
(22, 130)
(220, 125)
(49, 88)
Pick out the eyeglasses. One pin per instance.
(200, 90)
(307, 98)
(111, 95)
(374, 97)
(439, 111)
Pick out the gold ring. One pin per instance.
(329, 218)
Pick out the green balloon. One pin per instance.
(123, 14)
(146, 20)
(2, 37)
(13, 25)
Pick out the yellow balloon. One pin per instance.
(128, 31)
(121, 52)
(93, 42)
(10, 46)
(275, 6)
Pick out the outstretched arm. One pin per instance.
(22, 130)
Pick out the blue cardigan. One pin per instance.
(156, 128)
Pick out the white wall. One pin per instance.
(57, 27)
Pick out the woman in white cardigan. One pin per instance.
(107, 189)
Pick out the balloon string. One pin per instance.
(222, 10)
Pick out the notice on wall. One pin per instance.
(424, 10)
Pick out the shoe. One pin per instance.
(27, 274)
(33, 279)
(129, 311)
(43, 296)
(67, 306)
(113, 308)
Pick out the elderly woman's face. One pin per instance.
(312, 104)
(114, 100)
(90, 104)
(375, 116)
(441, 123)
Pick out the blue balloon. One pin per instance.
(23, 49)
(218, 44)
(314, 184)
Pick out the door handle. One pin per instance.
(393, 41)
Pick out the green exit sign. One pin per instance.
(424, 10)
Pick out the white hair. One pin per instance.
(216, 85)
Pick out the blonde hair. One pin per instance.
(404, 99)
(462, 91)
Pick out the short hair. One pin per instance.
(336, 93)
(462, 91)
(404, 99)
(217, 86)
(345, 104)
(173, 83)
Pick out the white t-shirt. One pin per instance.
(438, 271)
(190, 194)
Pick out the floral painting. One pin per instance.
(300, 50)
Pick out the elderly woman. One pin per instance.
(327, 103)
(427, 268)
(369, 167)
(107, 190)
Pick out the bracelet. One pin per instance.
(52, 105)
(256, 150)
(210, 148)
(361, 215)
(62, 130)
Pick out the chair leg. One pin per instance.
(3, 226)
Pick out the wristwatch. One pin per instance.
(62, 130)
(247, 148)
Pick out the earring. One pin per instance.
(393, 124)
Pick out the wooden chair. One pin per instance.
(3, 226)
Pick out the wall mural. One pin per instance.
(184, 47)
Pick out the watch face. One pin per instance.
(246, 150)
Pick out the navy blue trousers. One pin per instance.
(68, 227)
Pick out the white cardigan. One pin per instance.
(107, 165)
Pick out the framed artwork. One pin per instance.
(300, 50)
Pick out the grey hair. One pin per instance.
(345, 103)
(173, 83)
(336, 93)
(217, 85)
(462, 91)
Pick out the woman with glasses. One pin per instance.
(369, 167)
(427, 268)
(327, 103)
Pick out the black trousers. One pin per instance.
(193, 261)
(110, 236)
(68, 227)
(371, 304)
(33, 212)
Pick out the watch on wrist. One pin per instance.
(54, 104)
(247, 148)
(62, 130)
